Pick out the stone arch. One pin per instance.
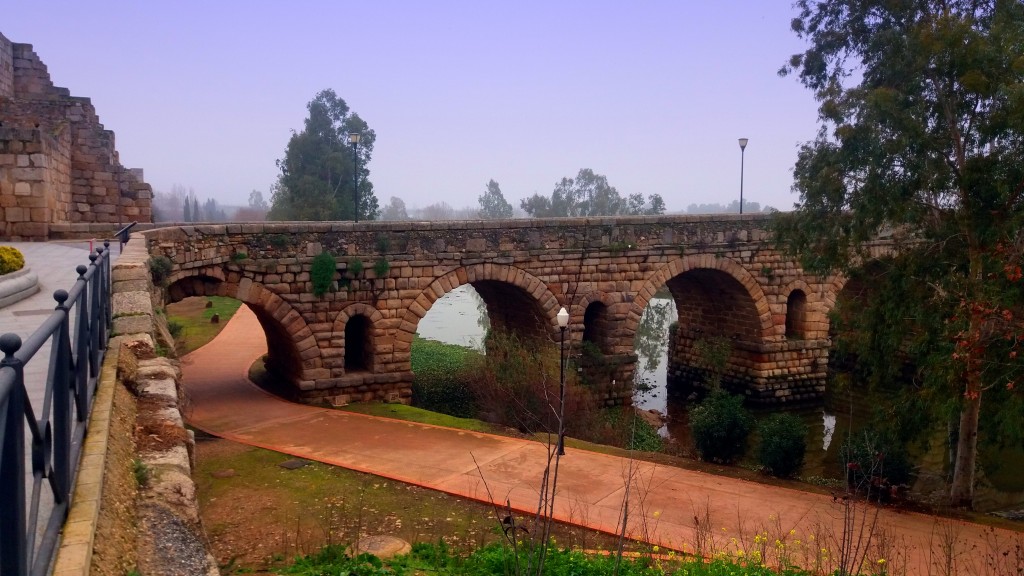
(680, 266)
(594, 312)
(292, 348)
(340, 335)
(491, 281)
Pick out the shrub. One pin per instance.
(517, 385)
(381, 267)
(876, 465)
(322, 273)
(720, 426)
(783, 444)
(160, 269)
(11, 259)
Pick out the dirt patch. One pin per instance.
(153, 432)
(114, 547)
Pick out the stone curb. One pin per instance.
(74, 556)
(17, 286)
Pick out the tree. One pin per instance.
(256, 200)
(317, 180)
(395, 210)
(922, 135)
(589, 194)
(493, 204)
(187, 210)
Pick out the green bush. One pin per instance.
(11, 260)
(160, 269)
(720, 426)
(441, 382)
(381, 267)
(322, 273)
(355, 267)
(783, 444)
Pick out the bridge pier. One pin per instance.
(788, 371)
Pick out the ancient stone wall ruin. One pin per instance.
(58, 164)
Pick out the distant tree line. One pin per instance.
(183, 205)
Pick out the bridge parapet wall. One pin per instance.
(524, 269)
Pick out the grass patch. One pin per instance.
(258, 514)
(192, 319)
(414, 414)
(443, 381)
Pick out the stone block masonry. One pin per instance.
(58, 165)
(728, 280)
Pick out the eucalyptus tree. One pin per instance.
(921, 109)
(320, 170)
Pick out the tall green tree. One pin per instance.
(589, 194)
(493, 204)
(921, 107)
(317, 180)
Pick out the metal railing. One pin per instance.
(40, 444)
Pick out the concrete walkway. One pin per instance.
(666, 503)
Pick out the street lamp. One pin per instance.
(353, 137)
(743, 147)
(563, 322)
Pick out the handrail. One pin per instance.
(122, 234)
(52, 432)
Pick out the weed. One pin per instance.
(381, 267)
(355, 267)
(141, 472)
(239, 256)
(160, 268)
(322, 273)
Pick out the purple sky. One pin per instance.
(651, 94)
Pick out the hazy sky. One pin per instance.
(651, 94)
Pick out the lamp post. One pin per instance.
(743, 148)
(353, 137)
(563, 322)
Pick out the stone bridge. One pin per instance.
(353, 342)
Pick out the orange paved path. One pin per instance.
(590, 489)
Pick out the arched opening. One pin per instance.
(718, 333)
(796, 315)
(597, 328)
(358, 345)
(283, 362)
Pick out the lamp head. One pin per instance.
(743, 143)
(563, 318)
(353, 137)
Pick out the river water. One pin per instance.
(460, 317)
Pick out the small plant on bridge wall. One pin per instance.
(239, 256)
(160, 269)
(322, 273)
(381, 267)
(279, 241)
(355, 267)
(382, 242)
